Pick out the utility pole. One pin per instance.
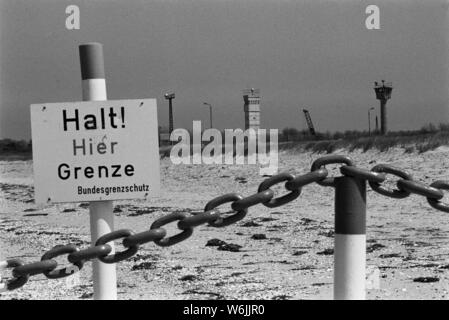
(369, 120)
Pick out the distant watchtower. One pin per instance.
(383, 93)
(251, 97)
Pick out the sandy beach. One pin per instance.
(284, 253)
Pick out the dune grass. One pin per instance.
(421, 142)
(427, 138)
(417, 143)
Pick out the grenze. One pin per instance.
(115, 171)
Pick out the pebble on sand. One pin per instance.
(230, 247)
(258, 236)
(373, 247)
(189, 277)
(426, 279)
(144, 266)
(326, 252)
(251, 224)
(215, 242)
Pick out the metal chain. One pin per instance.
(436, 203)
(398, 193)
(333, 159)
(186, 223)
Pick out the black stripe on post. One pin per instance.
(91, 60)
(350, 205)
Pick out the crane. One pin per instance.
(309, 122)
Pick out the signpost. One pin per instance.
(96, 151)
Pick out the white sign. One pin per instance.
(95, 150)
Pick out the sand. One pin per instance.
(286, 252)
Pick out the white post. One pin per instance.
(101, 212)
(350, 239)
(349, 267)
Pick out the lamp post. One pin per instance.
(170, 96)
(369, 120)
(210, 112)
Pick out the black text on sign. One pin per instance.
(95, 145)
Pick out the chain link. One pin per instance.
(94, 252)
(15, 282)
(421, 189)
(255, 199)
(169, 241)
(301, 181)
(395, 193)
(118, 256)
(279, 178)
(144, 237)
(212, 216)
(34, 268)
(436, 203)
(332, 159)
(63, 272)
(226, 221)
(370, 176)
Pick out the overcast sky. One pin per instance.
(313, 54)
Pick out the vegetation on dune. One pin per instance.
(15, 149)
(9, 145)
(427, 138)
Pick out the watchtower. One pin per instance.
(251, 97)
(383, 93)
